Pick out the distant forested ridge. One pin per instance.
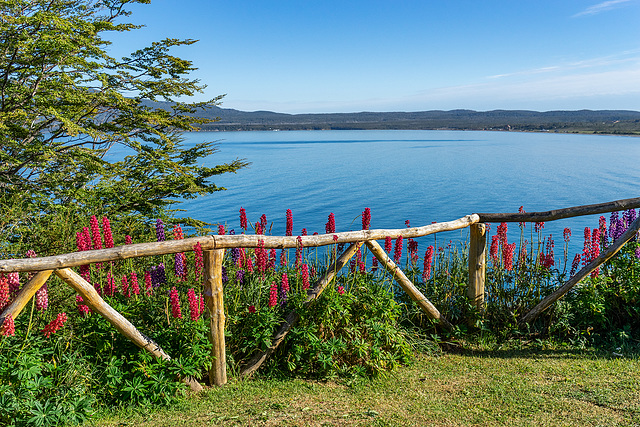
(623, 122)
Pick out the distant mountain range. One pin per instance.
(582, 121)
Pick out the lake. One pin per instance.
(421, 176)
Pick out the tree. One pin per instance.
(64, 103)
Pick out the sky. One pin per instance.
(304, 56)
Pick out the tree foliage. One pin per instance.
(64, 103)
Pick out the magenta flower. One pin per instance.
(538, 226)
(595, 249)
(397, 253)
(340, 289)
(8, 328)
(574, 264)
(272, 259)
(493, 250)
(284, 283)
(263, 223)
(259, 229)
(135, 287)
(366, 218)
(522, 224)
(261, 257)
(148, 283)
(249, 264)
(221, 229)
(194, 306)
(602, 224)
(95, 232)
(299, 247)
(124, 286)
(305, 276)
(174, 299)
(14, 283)
(55, 325)
(407, 223)
(199, 264)
(273, 294)
(42, 298)
(83, 309)
(566, 234)
(330, 226)
(251, 309)
(502, 233)
(4, 292)
(289, 231)
(586, 250)
(283, 258)
(412, 247)
(388, 244)
(106, 228)
(243, 219)
(128, 240)
(374, 264)
(428, 261)
(507, 255)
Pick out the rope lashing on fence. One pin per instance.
(211, 242)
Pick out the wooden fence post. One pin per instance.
(477, 264)
(214, 300)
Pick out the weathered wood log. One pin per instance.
(607, 254)
(292, 317)
(96, 303)
(75, 259)
(477, 264)
(214, 300)
(406, 284)
(617, 205)
(25, 294)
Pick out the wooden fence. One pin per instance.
(214, 247)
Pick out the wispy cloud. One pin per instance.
(601, 7)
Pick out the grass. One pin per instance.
(524, 387)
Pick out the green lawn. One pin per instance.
(487, 388)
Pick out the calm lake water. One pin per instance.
(422, 176)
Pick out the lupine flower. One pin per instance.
(4, 292)
(272, 259)
(374, 264)
(239, 276)
(8, 328)
(299, 247)
(507, 255)
(340, 289)
(194, 306)
(352, 265)
(428, 260)
(273, 294)
(221, 229)
(388, 244)
(235, 254)
(243, 219)
(549, 259)
(303, 232)
(628, 217)
(242, 259)
(261, 257)
(251, 309)
(111, 286)
(177, 232)
(174, 299)
(566, 234)
(263, 222)
(502, 233)
(55, 325)
(362, 267)
(178, 266)
(160, 237)
(412, 247)
(574, 264)
(616, 226)
(124, 286)
(162, 277)
(128, 240)
(135, 287)
(586, 251)
(330, 226)
(493, 250)
(148, 283)
(225, 277)
(284, 288)
(305, 276)
(289, 231)
(30, 254)
(522, 256)
(95, 232)
(83, 309)
(42, 298)
(106, 229)
(201, 301)
(638, 252)
(98, 287)
(595, 249)
(407, 223)
(259, 228)
(397, 253)
(199, 263)
(14, 283)
(366, 218)
(538, 226)
(249, 264)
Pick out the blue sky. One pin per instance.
(346, 56)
